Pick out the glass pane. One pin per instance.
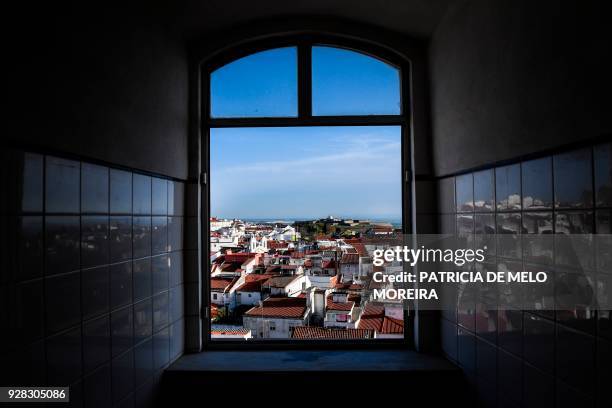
(349, 83)
(294, 173)
(258, 85)
(281, 198)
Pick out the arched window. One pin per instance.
(307, 156)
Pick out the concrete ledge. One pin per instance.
(306, 360)
(283, 378)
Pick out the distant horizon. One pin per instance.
(395, 221)
(341, 217)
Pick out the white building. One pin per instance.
(276, 317)
(216, 223)
(248, 289)
(220, 291)
(339, 311)
(349, 267)
(288, 234)
(286, 285)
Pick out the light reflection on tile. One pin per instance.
(508, 187)
(573, 179)
(537, 184)
(484, 190)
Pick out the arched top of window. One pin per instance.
(263, 84)
(337, 82)
(346, 82)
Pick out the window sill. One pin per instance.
(310, 361)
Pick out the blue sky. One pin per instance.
(305, 172)
(343, 82)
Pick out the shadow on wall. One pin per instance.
(91, 279)
(528, 356)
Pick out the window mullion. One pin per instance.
(304, 81)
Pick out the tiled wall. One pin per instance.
(526, 357)
(91, 278)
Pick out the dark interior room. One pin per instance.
(200, 201)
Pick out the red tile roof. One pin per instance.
(273, 269)
(221, 284)
(391, 325)
(307, 332)
(355, 298)
(331, 305)
(360, 248)
(277, 245)
(286, 308)
(350, 259)
(239, 257)
(349, 285)
(374, 309)
(373, 318)
(230, 267)
(253, 283)
(370, 323)
(230, 332)
(352, 241)
(330, 264)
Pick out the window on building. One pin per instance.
(307, 148)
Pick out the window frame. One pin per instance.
(304, 118)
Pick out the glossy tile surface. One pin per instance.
(141, 237)
(67, 279)
(508, 187)
(94, 188)
(176, 198)
(64, 363)
(142, 279)
(160, 271)
(159, 235)
(573, 179)
(464, 193)
(120, 237)
(94, 241)
(159, 196)
(28, 191)
(546, 210)
(484, 190)
(122, 330)
(95, 289)
(62, 244)
(509, 228)
(537, 184)
(63, 301)
(96, 343)
(62, 185)
(29, 254)
(143, 320)
(122, 375)
(602, 157)
(120, 192)
(141, 188)
(120, 284)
